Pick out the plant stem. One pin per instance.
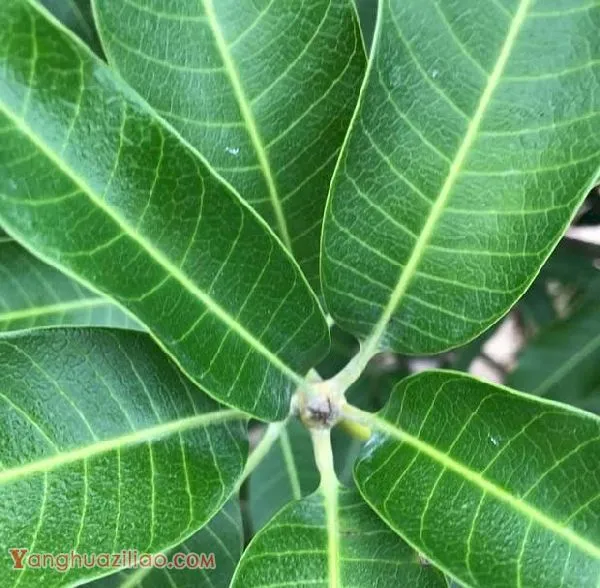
(356, 366)
(361, 417)
(355, 430)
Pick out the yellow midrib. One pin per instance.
(477, 479)
(60, 307)
(438, 207)
(156, 255)
(250, 121)
(100, 447)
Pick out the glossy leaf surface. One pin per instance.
(465, 162)
(265, 90)
(119, 201)
(294, 549)
(496, 487)
(33, 294)
(222, 537)
(105, 446)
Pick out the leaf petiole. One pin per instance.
(330, 487)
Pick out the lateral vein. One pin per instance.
(155, 253)
(151, 433)
(52, 308)
(486, 485)
(440, 203)
(250, 121)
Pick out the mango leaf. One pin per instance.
(105, 446)
(296, 547)
(265, 90)
(33, 294)
(563, 361)
(77, 16)
(286, 473)
(117, 199)
(495, 487)
(465, 162)
(222, 537)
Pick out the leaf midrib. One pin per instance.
(44, 310)
(171, 269)
(437, 209)
(250, 121)
(101, 447)
(521, 506)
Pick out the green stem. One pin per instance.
(356, 366)
(329, 487)
(361, 417)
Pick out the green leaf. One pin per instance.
(286, 473)
(77, 16)
(563, 361)
(293, 550)
(265, 90)
(465, 162)
(105, 446)
(222, 536)
(33, 294)
(495, 487)
(118, 200)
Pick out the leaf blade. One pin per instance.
(133, 436)
(33, 295)
(222, 536)
(455, 151)
(535, 486)
(301, 558)
(278, 153)
(159, 237)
